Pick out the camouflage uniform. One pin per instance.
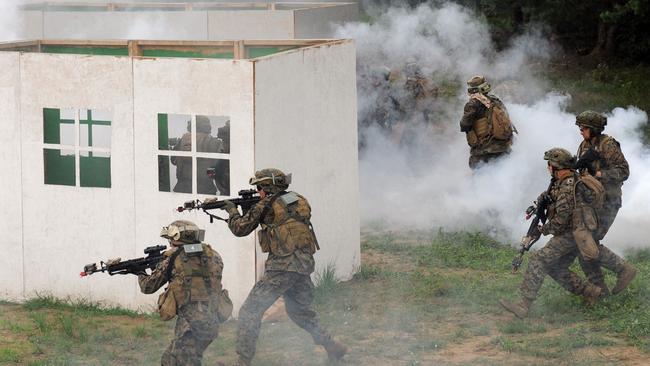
(558, 254)
(486, 149)
(614, 171)
(198, 323)
(287, 276)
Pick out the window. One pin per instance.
(76, 147)
(193, 154)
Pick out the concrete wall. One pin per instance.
(11, 222)
(313, 92)
(208, 87)
(318, 22)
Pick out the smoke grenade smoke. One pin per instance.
(418, 177)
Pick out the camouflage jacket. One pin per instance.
(300, 261)
(563, 200)
(472, 112)
(158, 278)
(612, 165)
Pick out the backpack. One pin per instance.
(499, 120)
(585, 218)
(499, 126)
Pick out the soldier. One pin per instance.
(601, 155)
(556, 257)
(205, 142)
(193, 271)
(488, 137)
(288, 237)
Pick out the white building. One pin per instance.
(88, 172)
(184, 20)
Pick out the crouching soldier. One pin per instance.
(566, 192)
(193, 271)
(288, 237)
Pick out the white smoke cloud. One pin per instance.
(427, 183)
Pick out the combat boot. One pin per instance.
(335, 350)
(520, 309)
(591, 294)
(624, 278)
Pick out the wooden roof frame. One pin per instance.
(136, 47)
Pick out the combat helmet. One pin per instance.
(478, 84)
(560, 158)
(270, 180)
(184, 231)
(593, 120)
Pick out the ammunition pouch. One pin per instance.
(167, 304)
(482, 128)
(224, 306)
(265, 240)
(585, 222)
(472, 139)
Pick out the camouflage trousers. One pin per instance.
(606, 258)
(475, 161)
(196, 327)
(553, 260)
(297, 290)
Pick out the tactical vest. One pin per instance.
(291, 228)
(495, 123)
(195, 275)
(603, 139)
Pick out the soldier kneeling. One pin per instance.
(193, 271)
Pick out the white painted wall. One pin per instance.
(250, 24)
(11, 222)
(185, 25)
(207, 87)
(66, 227)
(318, 22)
(307, 22)
(305, 124)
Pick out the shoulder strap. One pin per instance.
(170, 266)
(268, 204)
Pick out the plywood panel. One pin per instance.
(67, 227)
(250, 24)
(125, 25)
(305, 124)
(11, 264)
(204, 87)
(319, 22)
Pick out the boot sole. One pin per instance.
(625, 283)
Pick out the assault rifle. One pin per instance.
(585, 161)
(247, 199)
(538, 212)
(131, 266)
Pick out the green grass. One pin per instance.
(423, 296)
(80, 306)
